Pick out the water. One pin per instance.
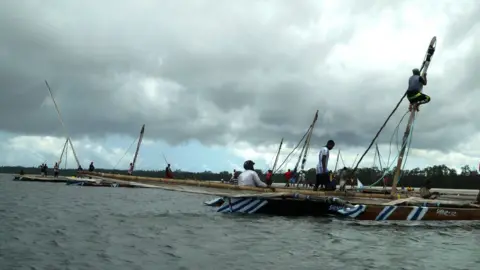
(54, 226)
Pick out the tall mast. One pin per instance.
(423, 69)
(307, 144)
(63, 125)
(402, 152)
(138, 146)
(278, 154)
(379, 158)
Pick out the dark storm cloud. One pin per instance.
(247, 62)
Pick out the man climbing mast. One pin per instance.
(414, 91)
(419, 79)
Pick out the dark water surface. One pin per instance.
(54, 226)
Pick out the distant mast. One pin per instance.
(276, 157)
(138, 147)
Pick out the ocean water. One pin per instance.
(54, 226)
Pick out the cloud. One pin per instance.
(246, 73)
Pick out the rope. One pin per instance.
(378, 133)
(395, 131)
(424, 68)
(294, 149)
(126, 152)
(407, 142)
(61, 122)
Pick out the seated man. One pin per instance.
(425, 191)
(250, 177)
(414, 91)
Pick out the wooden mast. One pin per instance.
(138, 146)
(276, 157)
(423, 70)
(63, 125)
(402, 153)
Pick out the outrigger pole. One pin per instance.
(423, 69)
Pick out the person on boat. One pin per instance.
(45, 169)
(301, 179)
(91, 168)
(268, 178)
(55, 170)
(294, 177)
(250, 177)
(130, 169)
(168, 172)
(425, 192)
(414, 91)
(385, 182)
(342, 178)
(288, 176)
(234, 178)
(79, 171)
(323, 176)
(42, 170)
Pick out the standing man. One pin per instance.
(288, 176)
(168, 172)
(322, 167)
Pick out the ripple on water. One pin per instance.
(54, 226)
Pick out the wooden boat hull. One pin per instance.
(38, 178)
(291, 206)
(410, 213)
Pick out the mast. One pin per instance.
(402, 152)
(338, 158)
(424, 68)
(63, 152)
(379, 157)
(307, 144)
(278, 154)
(63, 125)
(138, 146)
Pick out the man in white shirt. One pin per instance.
(323, 177)
(249, 177)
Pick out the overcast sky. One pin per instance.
(218, 82)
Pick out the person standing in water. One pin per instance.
(414, 91)
(323, 177)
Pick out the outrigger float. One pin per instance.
(344, 204)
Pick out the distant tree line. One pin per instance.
(440, 175)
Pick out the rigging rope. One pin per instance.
(294, 149)
(126, 152)
(378, 133)
(405, 144)
(61, 122)
(424, 68)
(395, 131)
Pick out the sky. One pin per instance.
(220, 82)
